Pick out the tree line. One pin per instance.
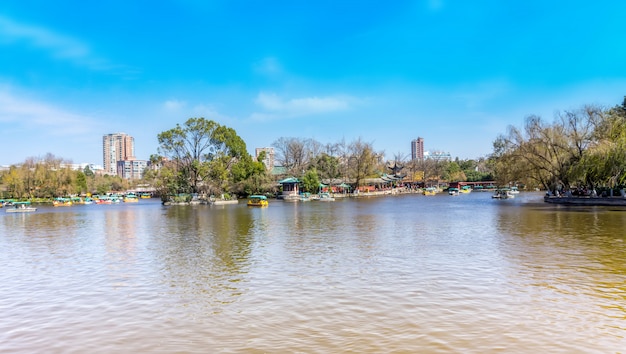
(201, 156)
(51, 177)
(580, 148)
(585, 147)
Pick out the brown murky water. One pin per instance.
(392, 274)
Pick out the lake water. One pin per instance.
(411, 273)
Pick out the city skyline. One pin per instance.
(456, 73)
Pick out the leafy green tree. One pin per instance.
(88, 172)
(80, 182)
(310, 181)
(204, 156)
(328, 167)
(14, 182)
(453, 172)
(189, 147)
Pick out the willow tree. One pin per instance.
(543, 153)
(604, 162)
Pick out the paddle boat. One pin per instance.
(430, 191)
(258, 200)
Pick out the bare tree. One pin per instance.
(296, 154)
(362, 161)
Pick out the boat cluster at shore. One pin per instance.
(12, 205)
(591, 199)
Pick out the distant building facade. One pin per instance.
(116, 147)
(131, 169)
(439, 156)
(268, 161)
(417, 149)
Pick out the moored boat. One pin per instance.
(131, 198)
(325, 197)
(58, 202)
(103, 199)
(20, 207)
(453, 191)
(430, 191)
(586, 200)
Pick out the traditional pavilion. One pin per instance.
(290, 186)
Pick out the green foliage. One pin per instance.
(204, 156)
(453, 173)
(327, 166)
(88, 172)
(81, 182)
(310, 181)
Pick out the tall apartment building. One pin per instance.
(417, 149)
(131, 169)
(269, 157)
(116, 147)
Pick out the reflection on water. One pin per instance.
(406, 273)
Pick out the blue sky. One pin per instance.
(456, 73)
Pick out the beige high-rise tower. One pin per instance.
(417, 149)
(116, 147)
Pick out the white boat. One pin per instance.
(514, 190)
(453, 191)
(20, 208)
(325, 197)
(503, 193)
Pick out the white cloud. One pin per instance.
(58, 45)
(174, 105)
(294, 107)
(35, 116)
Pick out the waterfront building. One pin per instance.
(116, 147)
(290, 186)
(268, 161)
(417, 149)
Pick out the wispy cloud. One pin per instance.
(58, 45)
(174, 105)
(36, 116)
(278, 107)
(269, 66)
